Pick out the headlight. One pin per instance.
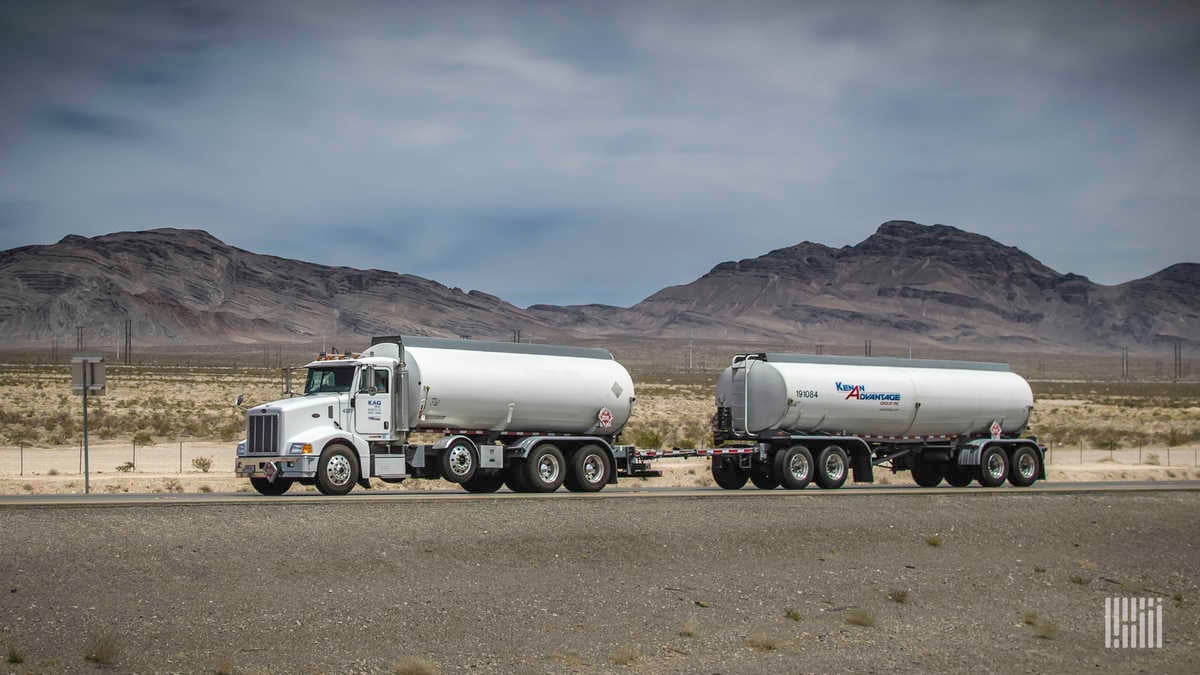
(241, 448)
(300, 448)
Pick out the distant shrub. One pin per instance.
(102, 648)
(126, 467)
(860, 617)
(625, 656)
(203, 464)
(761, 642)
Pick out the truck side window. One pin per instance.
(381, 380)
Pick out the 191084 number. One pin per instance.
(806, 393)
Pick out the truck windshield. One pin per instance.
(329, 380)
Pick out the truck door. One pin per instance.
(373, 403)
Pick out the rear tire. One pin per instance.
(484, 481)
(763, 477)
(832, 467)
(1025, 467)
(459, 461)
(728, 474)
(794, 467)
(265, 487)
(993, 466)
(960, 476)
(337, 471)
(590, 470)
(927, 474)
(545, 468)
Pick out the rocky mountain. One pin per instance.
(905, 283)
(910, 282)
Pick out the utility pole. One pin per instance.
(1125, 362)
(867, 348)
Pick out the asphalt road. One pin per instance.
(627, 489)
(700, 582)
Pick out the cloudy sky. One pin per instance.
(595, 152)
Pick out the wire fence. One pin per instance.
(171, 458)
(1156, 456)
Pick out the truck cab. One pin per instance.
(347, 404)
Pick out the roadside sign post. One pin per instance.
(87, 377)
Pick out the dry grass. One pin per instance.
(626, 655)
(225, 666)
(761, 642)
(102, 648)
(415, 665)
(14, 657)
(689, 628)
(933, 540)
(1080, 579)
(1030, 618)
(567, 658)
(1047, 630)
(860, 617)
(792, 614)
(898, 595)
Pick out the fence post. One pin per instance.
(1081, 452)
(1168, 455)
(135, 455)
(181, 457)
(22, 447)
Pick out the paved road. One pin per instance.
(618, 491)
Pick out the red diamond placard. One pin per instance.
(995, 429)
(605, 417)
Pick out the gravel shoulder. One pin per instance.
(601, 584)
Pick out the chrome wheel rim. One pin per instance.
(995, 466)
(798, 466)
(338, 470)
(460, 460)
(1026, 465)
(834, 466)
(548, 468)
(593, 469)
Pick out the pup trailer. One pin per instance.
(538, 417)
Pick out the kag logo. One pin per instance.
(859, 391)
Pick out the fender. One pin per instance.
(445, 441)
(321, 437)
(969, 453)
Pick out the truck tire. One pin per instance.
(337, 470)
(958, 475)
(545, 468)
(589, 471)
(1025, 467)
(514, 477)
(265, 487)
(927, 474)
(484, 481)
(459, 461)
(993, 466)
(832, 467)
(794, 467)
(728, 474)
(763, 476)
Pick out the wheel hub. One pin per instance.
(338, 470)
(798, 466)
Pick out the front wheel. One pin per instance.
(459, 462)
(589, 471)
(269, 488)
(729, 475)
(337, 471)
(993, 466)
(1025, 467)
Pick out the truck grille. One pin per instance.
(262, 434)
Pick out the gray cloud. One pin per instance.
(552, 153)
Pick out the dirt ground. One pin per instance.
(732, 583)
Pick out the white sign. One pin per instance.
(87, 371)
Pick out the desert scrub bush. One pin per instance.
(14, 656)
(415, 665)
(1152, 458)
(172, 485)
(689, 628)
(860, 617)
(202, 464)
(126, 467)
(205, 489)
(933, 540)
(1029, 618)
(102, 648)
(1047, 630)
(625, 656)
(898, 595)
(792, 614)
(647, 438)
(52, 472)
(761, 642)
(1080, 579)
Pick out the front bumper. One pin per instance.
(287, 466)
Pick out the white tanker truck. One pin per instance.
(536, 417)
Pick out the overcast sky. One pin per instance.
(595, 152)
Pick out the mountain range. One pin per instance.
(906, 282)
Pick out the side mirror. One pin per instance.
(240, 400)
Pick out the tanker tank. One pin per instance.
(864, 396)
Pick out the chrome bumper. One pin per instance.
(288, 466)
